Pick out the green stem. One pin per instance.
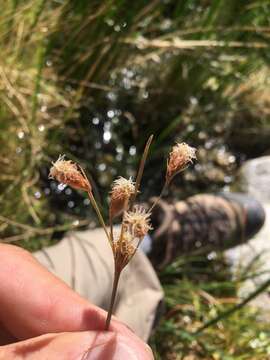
(239, 306)
(159, 197)
(100, 217)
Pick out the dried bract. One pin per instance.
(137, 222)
(121, 192)
(67, 172)
(180, 157)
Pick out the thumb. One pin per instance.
(77, 346)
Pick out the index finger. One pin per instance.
(33, 301)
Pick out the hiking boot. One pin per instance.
(207, 222)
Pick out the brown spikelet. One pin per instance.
(121, 192)
(123, 250)
(69, 173)
(180, 157)
(138, 222)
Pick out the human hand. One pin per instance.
(53, 322)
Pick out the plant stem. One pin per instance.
(159, 197)
(114, 289)
(111, 225)
(100, 217)
(141, 168)
(237, 307)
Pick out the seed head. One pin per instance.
(69, 173)
(180, 157)
(123, 250)
(138, 222)
(124, 247)
(121, 192)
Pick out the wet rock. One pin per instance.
(254, 179)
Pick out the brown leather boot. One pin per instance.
(207, 222)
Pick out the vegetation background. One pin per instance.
(93, 79)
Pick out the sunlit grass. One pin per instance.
(197, 291)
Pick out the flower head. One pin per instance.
(138, 222)
(180, 157)
(123, 250)
(121, 192)
(69, 173)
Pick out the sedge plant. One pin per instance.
(135, 219)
